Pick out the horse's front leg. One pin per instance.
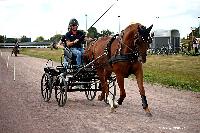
(139, 78)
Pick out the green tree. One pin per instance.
(24, 39)
(11, 40)
(106, 33)
(195, 33)
(93, 33)
(39, 39)
(2, 39)
(56, 38)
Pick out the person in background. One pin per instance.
(195, 45)
(17, 46)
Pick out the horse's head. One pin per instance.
(143, 41)
(136, 39)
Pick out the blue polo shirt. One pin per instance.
(71, 37)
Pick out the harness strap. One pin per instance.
(108, 48)
(130, 57)
(120, 42)
(119, 56)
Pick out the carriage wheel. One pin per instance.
(90, 94)
(61, 91)
(46, 87)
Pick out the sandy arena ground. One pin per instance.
(22, 109)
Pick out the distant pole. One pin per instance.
(86, 22)
(157, 19)
(86, 29)
(192, 32)
(154, 38)
(119, 23)
(199, 25)
(192, 37)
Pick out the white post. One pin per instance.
(14, 70)
(7, 61)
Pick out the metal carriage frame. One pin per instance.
(71, 79)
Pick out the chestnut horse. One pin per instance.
(122, 54)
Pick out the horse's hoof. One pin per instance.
(100, 98)
(116, 105)
(112, 110)
(119, 102)
(148, 114)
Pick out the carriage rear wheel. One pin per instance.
(91, 93)
(46, 87)
(61, 91)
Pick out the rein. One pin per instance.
(122, 43)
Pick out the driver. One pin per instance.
(74, 40)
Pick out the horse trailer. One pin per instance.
(168, 40)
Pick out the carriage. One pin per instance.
(71, 78)
(122, 54)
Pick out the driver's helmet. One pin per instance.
(73, 21)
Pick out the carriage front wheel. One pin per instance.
(91, 91)
(46, 87)
(61, 90)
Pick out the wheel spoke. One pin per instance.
(60, 91)
(47, 93)
(91, 93)
(62, 98)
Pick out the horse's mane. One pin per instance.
(130, 33)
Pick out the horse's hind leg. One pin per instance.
(110, 96)
(103, 76)
(120, 81)
(104, 84)
(139, 77)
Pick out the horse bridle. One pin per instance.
(133, 50)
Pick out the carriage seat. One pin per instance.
(52, 71)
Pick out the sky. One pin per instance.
(46, 18)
